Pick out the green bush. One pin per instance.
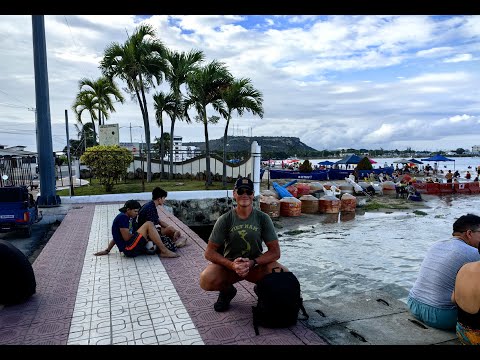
(108, 163)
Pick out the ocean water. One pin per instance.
(370, 250)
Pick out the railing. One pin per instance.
(16, 170)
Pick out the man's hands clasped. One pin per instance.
(241, 266)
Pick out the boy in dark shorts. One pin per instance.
(132, 241)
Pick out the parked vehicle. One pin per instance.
(18, 210)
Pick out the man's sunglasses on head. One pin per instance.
(244, 191)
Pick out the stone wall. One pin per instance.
(202, 212)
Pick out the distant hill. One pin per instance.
(269, 144)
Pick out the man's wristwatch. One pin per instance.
(255, 264)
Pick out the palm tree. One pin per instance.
(86, 102)
(166, 144)
(204, 88)
(178, 67)
(103, 89)
(163, 103)
(138, 62)
(85, 139)
(240, 97)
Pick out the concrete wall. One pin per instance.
(194, 208)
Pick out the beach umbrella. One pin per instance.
(372, 161)
(414, 161)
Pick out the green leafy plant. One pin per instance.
(108, 163)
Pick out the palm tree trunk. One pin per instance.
(207, 149)
(225, 139)
(143, 107)
(162, 152)
(147, 132)
(94, 133)
(170, 173)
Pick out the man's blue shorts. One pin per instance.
(435, 317)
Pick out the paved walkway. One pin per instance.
(82, 299)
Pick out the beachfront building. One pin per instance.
(476, 149)
(16, 151)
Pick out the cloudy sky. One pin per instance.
(370, 81)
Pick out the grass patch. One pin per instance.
(135, 186)
(418, 212)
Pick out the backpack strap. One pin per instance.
(255, 320)
(304, 312)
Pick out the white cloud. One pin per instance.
(332, 81)
(459, 58)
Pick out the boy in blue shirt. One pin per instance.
(132, 241)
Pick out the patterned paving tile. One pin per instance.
(82, 299)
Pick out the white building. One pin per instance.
(476, 149)
(181, 152)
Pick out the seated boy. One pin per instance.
(132, 241)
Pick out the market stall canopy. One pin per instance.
(439, 157)
(415, 161)
(326, 163)
(402, 161)
(350, 159)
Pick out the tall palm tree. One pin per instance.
(163, 103)
(204, 87)
(103, 89)
(86, 102)
(138, 62)
(178, 67)
(240, 96)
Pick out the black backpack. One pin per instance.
(279, 300)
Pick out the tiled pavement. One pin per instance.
(82, 299)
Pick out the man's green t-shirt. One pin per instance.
(243, 238)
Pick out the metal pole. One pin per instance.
(268, 179)
(68, 155)
(48, 196)
(141, 163)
